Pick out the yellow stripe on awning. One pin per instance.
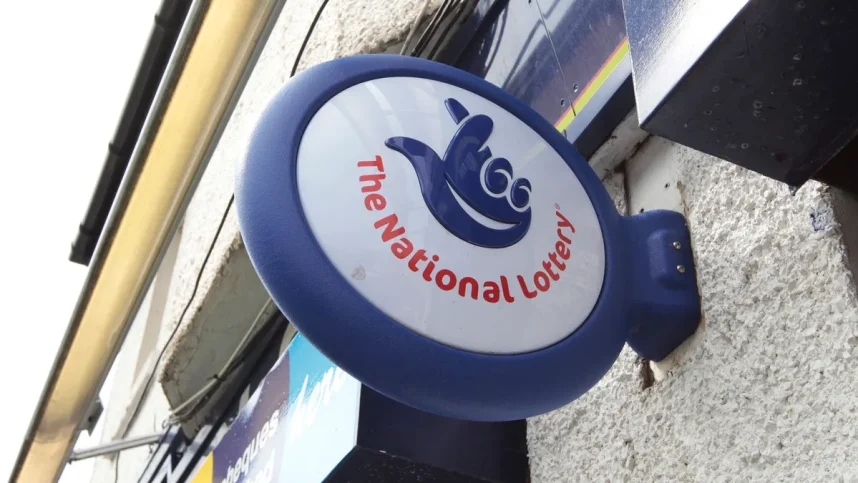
(594, 85)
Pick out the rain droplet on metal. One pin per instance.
(797, 81)
(745, 145)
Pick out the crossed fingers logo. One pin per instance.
(468, 183)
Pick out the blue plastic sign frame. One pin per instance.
(645, 298)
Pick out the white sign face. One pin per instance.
(451, 215)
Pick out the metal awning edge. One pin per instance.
(143, 220)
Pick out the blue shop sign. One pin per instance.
(445, 245)
(296, 427)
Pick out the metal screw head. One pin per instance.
(680, 268)
(677, 245)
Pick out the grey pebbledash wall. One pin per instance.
(769, 391)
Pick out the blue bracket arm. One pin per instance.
(664, 309)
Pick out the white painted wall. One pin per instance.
(769, 391)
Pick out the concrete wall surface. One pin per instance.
(767, 392)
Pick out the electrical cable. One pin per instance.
(414, 26)
(460, 8)
(184, 312)
(430, 29)
(224, 372)
(220, 377)
(307, 38)
(217, 234)
(234, 360)
(187, 408)
(199, 396)
(203, 397)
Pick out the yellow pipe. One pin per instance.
(225, 47)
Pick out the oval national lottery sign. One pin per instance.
(443, 244)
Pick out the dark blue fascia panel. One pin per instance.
(513, 40)
(544, 52)
(494, 452)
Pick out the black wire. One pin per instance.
(430, 29)
(205, 398)
(439, 15)
(202, 400)
(459, 10)
(202, 268)
(214, 240)
(184, 311)
(307, 38)
(220, 227)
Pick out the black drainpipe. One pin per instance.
(168, 22)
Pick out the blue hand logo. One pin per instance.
(465, 176)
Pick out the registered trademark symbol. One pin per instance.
(556, 206)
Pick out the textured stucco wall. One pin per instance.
(768, 392)
(347, 27)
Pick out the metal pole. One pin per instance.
(114, 447)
